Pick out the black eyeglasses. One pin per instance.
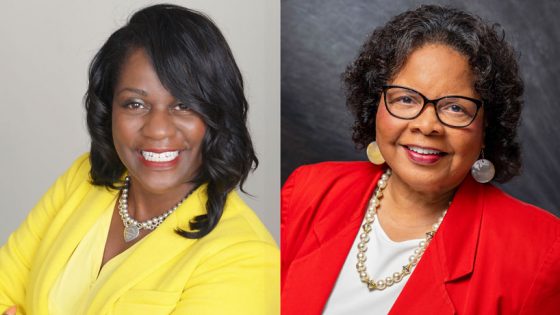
(453, 110)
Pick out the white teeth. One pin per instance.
(160, 157)
(423, 151)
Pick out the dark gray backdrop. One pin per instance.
(320, 38)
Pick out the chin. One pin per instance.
(428, 180)
(162, 186)
(159, 183)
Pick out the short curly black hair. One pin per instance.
(492, 59)
(194, 62)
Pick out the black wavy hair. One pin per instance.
(492, 60)
(194, 62)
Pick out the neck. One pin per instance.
(409, 210)
(144, 204)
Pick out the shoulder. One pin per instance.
(310, 181)
(519, 231)
(333, 171)
(333, 190)
(239, 217)
(77, 173)
(238, 247)
(240, 231)
(236, 260)
(517, 216)
(73, 182)
(526, 239)
(529, 227)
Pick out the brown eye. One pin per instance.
(134, 105)
(405, 100)
(456, 108)
(182, 107)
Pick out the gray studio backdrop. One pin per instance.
(320, 38)
(45, 50)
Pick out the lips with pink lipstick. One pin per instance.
(422, 155)
(159, 158)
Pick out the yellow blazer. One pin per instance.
(233, 270)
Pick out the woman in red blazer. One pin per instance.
(437, 95)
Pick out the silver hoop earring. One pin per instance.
(483, 170)
(374, 154)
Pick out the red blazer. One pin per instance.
(493, 254)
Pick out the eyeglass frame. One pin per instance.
(479, 104)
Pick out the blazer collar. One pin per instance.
(347, 209)
(458, 240)
(315, 274)
(64, 235)
(450, 255)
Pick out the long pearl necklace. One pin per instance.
(364, 239)
(131, 226)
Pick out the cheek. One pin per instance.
(197, 130)
(116, 129)
(124, 130)
(478, 133)
(193, 130)
(469, 142)
(387, 127)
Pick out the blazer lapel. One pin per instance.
(449, 257)
(156, 249)
(84, 212)
(311, 278)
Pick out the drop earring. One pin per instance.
(483, 170)
(374, 154)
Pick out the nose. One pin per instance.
(158, 124)
(427, 122)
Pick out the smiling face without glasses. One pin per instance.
(158, 139)
(424, 154)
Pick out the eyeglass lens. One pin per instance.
(407, 104)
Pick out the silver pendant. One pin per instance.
(131, 232)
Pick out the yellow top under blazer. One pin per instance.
(232, 270)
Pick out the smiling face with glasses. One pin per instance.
(430, 121)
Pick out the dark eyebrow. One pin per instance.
(133, 90)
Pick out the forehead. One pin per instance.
(135, 64)
(437, 70)
(137, 72)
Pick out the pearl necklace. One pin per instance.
(364, 239)
(131, 226)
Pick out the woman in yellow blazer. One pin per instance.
(149, 221)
